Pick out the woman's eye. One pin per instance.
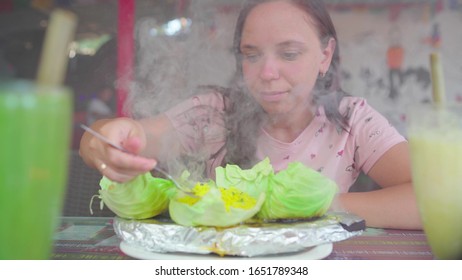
(251, 57)
(291, 56)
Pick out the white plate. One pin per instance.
(312, 253)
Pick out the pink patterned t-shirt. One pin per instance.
(340, 155)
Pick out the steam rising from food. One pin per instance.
(169, 69)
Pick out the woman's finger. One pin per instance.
(124, 162)
(116, 177)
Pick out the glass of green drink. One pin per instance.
(35, 130)
(435, 137)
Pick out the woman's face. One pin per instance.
(282, 57)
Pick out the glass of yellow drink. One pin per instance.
(35, 129)
(435, 137)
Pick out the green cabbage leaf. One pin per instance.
(212, 210)
(141, 198)
(297, 192)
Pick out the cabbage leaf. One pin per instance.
(212, 210)
(141, 198)
(297, 192)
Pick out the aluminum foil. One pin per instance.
(161, 235)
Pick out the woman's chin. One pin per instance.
(276, 109)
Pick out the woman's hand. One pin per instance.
(114, 164)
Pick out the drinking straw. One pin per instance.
(55, 52)
(125, 53)
(437, 79)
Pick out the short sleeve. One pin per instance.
(374, 134)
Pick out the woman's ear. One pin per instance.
(328, 54)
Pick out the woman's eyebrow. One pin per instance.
(248, 47)
(288, 43)
(291, 43)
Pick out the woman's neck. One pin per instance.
(287, 127)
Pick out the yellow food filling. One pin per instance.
(232, 197)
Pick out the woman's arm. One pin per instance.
(393, 206)
(142, 138)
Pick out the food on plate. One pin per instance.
(141, 198)
(234, 197)
(297, 192)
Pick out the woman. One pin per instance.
(284, 103)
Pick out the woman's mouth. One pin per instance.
(273, 96)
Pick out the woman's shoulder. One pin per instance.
(352, 102)
(359, 113)
(214, 96)
(355, 106)
(204, 98)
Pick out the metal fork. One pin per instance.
(122, 149)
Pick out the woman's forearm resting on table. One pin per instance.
(391, 207)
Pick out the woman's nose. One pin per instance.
(269, 69)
